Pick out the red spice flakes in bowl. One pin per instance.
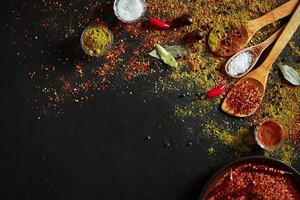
(255, 181)
(270, 134)
(244, 98)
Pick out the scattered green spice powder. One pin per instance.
(295, 49)
(221, 33)
(211, 150)
(242, 140)
(194, 109)
(286, 153)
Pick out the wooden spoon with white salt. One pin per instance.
(243, 61)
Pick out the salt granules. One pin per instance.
(129, 10)
(240, 63)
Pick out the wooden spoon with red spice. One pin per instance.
(245, 97)
(227, 42)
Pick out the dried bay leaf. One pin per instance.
(290, 74)
(166, 56)
(175, 50)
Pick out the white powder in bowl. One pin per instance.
(129, 10)
(240, 63)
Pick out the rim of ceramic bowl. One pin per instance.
(131, 21)
(106, 50)
(283, 127)
(256, 159)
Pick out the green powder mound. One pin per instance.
(96, 40)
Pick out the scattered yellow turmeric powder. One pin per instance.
(96, 40)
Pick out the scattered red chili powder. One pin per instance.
(244, 97)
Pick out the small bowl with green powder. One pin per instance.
(96, 40)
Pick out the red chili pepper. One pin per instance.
(158, 23)
(216, 91)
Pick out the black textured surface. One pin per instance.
(99, 151)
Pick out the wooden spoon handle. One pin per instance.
(258, 49)
(274, 15)
(272, 38)
(283, 39)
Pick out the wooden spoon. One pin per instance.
(258, 78)
(255, 51)
(238, 37)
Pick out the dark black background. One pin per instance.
(97, 151)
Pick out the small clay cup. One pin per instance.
(275, 122)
